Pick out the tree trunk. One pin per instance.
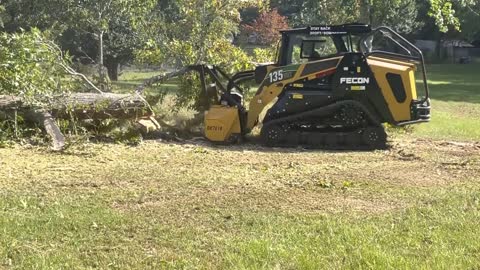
(101, 75)
(112, 68)
(10, 103)
(80, 106)
(46, 120)
(365, 16)
(100, 106)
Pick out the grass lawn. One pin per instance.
(189, 206)
(455, 92)
(197, 206)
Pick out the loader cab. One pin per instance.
(312, 43)
(302, 45)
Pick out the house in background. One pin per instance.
(458, 51)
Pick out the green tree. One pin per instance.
(41, 14)
(308, 12)
(400, 15)
(97, 18)
(120, 42)
(185, 32)
(469, 18)
(288, 8)
(451, 14)
(188, 32)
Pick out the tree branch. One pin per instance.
(473, 11)
(160, 79)
(52, 46)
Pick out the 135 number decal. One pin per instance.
(276, 76)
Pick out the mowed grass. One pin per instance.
(194, 206)
(455, 93)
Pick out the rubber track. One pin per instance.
(327, 140)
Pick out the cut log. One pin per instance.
(87, 106)
(10, 103)
(100, 106)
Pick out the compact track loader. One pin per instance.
(332, 87)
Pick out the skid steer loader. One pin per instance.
(332, 87)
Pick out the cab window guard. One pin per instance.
(407, 46)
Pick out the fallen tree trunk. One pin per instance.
(8, 103)
(100, 106)
(79, 106)
(86, 106)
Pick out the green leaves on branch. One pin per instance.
(200, 31)
(444, 14)
(453, 13)
(401, 15)
(326, 12)
(265, 55)
(30, 67)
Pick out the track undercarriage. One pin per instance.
(343, 125)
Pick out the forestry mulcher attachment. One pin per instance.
(332, 87)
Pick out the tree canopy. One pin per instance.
(182, 32)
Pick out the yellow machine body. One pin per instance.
(382, 68)
(222, 123)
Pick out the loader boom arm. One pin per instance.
(278, 78)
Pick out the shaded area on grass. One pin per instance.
(454, 82)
